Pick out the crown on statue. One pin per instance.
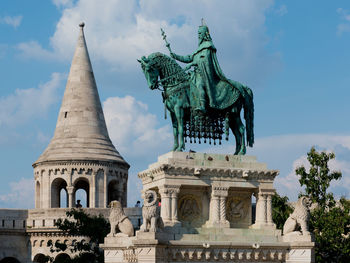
(204, 29)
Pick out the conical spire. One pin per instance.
(81, 132)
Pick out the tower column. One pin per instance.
(70, 191)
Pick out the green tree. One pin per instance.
(281, 210)
(329, 220)
(319, 177)
(79, 223)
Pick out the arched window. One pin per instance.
(59, 193)
(9, 260)
(113, 191)
(40, 258)
(81, 192)
(61, 258)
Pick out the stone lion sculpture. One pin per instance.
(152, 222)
(120, 223)
(299, 218)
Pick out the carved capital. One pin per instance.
(70, 189)
(219, 191)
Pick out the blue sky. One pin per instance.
(294, 55)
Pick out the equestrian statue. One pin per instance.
(202, 102)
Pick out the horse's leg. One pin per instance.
(235, 132)
(175, 131)
(238, 130)
(179, 112)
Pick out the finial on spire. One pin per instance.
(203, 22)
(82, 24)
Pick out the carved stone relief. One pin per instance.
(189, 208)
(238, 209)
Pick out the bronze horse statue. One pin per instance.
(179, 96)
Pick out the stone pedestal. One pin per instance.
(211, 190)
(206, 207)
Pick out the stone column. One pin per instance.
(217, 207)
(269, 210)
(105, 189)
(48, 199)
(214, 215)
(93, 190)
(174, 191)
(165, 209)
(260, 210)
(70, 191)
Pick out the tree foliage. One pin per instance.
(319, 177)
(79, 223)
(330, 220)
(281, 210)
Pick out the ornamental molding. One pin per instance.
(244, 174)
(94, 163)
(80, 169)
(224, 254)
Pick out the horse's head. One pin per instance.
(150, 71)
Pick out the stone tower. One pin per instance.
(80, 154)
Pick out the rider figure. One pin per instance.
(207, 71)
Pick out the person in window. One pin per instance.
(78, 204)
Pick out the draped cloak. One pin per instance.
(221, 91)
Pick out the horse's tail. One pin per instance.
(248, 106)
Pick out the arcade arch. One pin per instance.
(57, 186)
(40, 258)
(82, 184)
(9, 260)
(113, 191)
(63, 257)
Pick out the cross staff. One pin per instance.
(166, 42)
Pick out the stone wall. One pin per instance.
(25, 233)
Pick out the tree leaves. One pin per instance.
(80, 224)
(330, 220)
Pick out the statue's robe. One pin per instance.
(221, 91)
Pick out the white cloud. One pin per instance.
(282, 10)
(343, 27)
(20, 195)
(13, 21)
(133, 129)
(118, 32)
(63, 3)
(33, 49)
(26, 104)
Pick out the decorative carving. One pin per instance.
(237, 209)
(119, 221)
(189, 208)
(299, 218)
(224, 254)
(211, 172)
(152, 221)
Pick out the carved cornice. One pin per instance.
(53, 232)
(93, 163)
(83, 168)
(245, 174)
